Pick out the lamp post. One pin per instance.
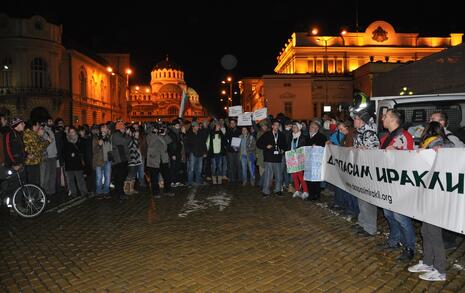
(229, 80)
(325, 57)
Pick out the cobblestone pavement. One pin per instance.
(209, 239)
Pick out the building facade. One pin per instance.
(162, 98)
(316, 71)
(39, 72)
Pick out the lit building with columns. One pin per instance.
(162, 98)
(314, 70)
(39, 72)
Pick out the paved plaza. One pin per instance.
(206, 239)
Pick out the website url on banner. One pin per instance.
(376, 194)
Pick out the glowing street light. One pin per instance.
(109, 69)
(314, 31)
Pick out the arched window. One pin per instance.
(83, 83)
(169, 74)
(83, 117)
(6, 72)
(173, 110)
(39, 73)
(164, 74)
(94, 117)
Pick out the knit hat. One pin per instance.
(120, 125)
(15, 121)
(194, 123)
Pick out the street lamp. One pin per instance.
(228, 80)
(325, 57)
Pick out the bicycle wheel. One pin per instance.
(29, 200)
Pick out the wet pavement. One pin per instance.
(206, 239)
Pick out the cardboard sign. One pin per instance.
(236, 142)
(260, 114)
(234, 111)
(244, 119)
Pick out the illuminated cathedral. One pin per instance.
(162, 98)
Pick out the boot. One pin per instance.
(126, 187)
(214, 180)
(131, 189)
(220, 179)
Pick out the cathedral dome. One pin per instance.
(166, 64)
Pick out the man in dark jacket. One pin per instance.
(273, 144)
(13, 144)
(233, 156)
(120, 152)
(196, 149)
(175, 152)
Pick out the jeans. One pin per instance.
(272, 170)
(224, 163)
(141, 174)
(103, 173)
(217, 165)
(195, 169)
(248, 163)
(367, 218)
(286, 176)
(401, 229)
(234, 167)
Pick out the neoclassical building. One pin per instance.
(38, 71)
(162, 98)
(314, 71)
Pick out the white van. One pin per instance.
(417, 111)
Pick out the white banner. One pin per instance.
(260, 114)
(424, 185)
(244, 119)
(234, 111)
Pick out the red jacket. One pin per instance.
(401, 139)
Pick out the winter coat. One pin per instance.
(400, 138)
(157, 149)
(366, 137)
(230, 133)
(34, 145)
(250, 144)
(319, 139)
(196, 143)
(73, 156)
(98, 152)
(14, 148)
(135, 156)
(224, 143)
(120, 147)
(300, 142)
(269, 155)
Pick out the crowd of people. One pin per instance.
(90, 160)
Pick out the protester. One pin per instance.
(273, 144)
(217, 145)
(120, 152)
(401, 227)
(297, 141)
(365, 138)
(433, 264)
(196, 147)
(247, 153)
(316, 138)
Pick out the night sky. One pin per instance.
(197, 34)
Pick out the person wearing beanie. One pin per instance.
(297, 141)
(14, 145)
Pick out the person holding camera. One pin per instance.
(158, 159)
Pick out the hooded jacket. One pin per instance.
(366, 137)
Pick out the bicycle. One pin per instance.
(28, 200)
